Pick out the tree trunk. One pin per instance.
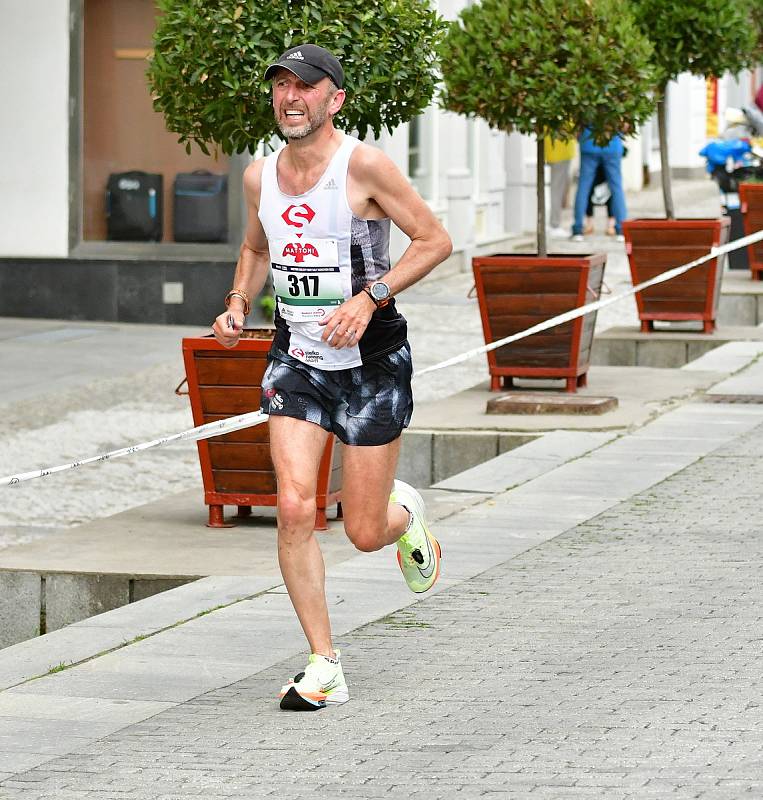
(541, 192)
(662, 124)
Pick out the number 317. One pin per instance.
(305, 284)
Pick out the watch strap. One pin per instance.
(377, 303)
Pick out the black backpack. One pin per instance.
(200, 207)
(134, 206)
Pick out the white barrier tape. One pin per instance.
(559, 319)
(193, 434)
(257, 417)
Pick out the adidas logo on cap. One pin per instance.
(298, 55)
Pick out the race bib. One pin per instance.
(306, 278)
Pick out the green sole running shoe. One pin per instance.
(418, 552)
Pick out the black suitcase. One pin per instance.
(134, 206)
(201, 207)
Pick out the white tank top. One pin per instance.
(310, 236)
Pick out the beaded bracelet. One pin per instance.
(243, 295)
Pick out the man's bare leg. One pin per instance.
(296, 448)
(370, 520)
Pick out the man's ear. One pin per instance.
(337, 102)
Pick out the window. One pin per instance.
(122, 133)
(420, 153)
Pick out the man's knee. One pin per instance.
(365, 536)
(295, 510)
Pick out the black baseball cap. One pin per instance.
(310, 63)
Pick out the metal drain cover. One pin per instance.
(733, 398)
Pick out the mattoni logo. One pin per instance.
(294, 215)
(298, 251)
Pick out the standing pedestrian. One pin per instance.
(558, 154)
(319, 213)
(610, 158)
(600, 195)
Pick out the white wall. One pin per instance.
(687, 121)
(34, 134)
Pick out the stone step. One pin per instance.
(741, 301)
(628, 347)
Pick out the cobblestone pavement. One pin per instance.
(619, 660)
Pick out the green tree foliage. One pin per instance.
(209, 59)
(704, 37)
(757, 17)
(549, 67)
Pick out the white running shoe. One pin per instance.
(322, 683)
(559, 233)
(577, 237)
(418, 552)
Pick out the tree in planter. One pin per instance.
(548, 68)
(209, 59)
(704, 37)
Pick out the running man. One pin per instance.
(319, 214)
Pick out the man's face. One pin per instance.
(301, 108)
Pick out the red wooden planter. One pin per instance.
(657, 245)
(236, 467)
(517, 292)
(751, 197)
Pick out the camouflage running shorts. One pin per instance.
(366, 405)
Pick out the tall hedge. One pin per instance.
(549, 67)
(704, 37)
(209, 58)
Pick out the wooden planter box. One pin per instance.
(517, 292)
(657, 245)
(236, 467)
(751, 198)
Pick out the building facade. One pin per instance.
(76, 110)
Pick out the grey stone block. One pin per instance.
(510, 441)
(415, 462)
(738, 309)
(19, 607)
(147, 587)
(700, 347)
(71, 598)
(455, 452)
(759, 317)
(613, 352)
(663, 354)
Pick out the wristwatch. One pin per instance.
(379, 292)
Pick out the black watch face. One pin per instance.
(380, 291)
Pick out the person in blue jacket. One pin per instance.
(609, 158)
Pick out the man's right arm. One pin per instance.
(253, 262)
